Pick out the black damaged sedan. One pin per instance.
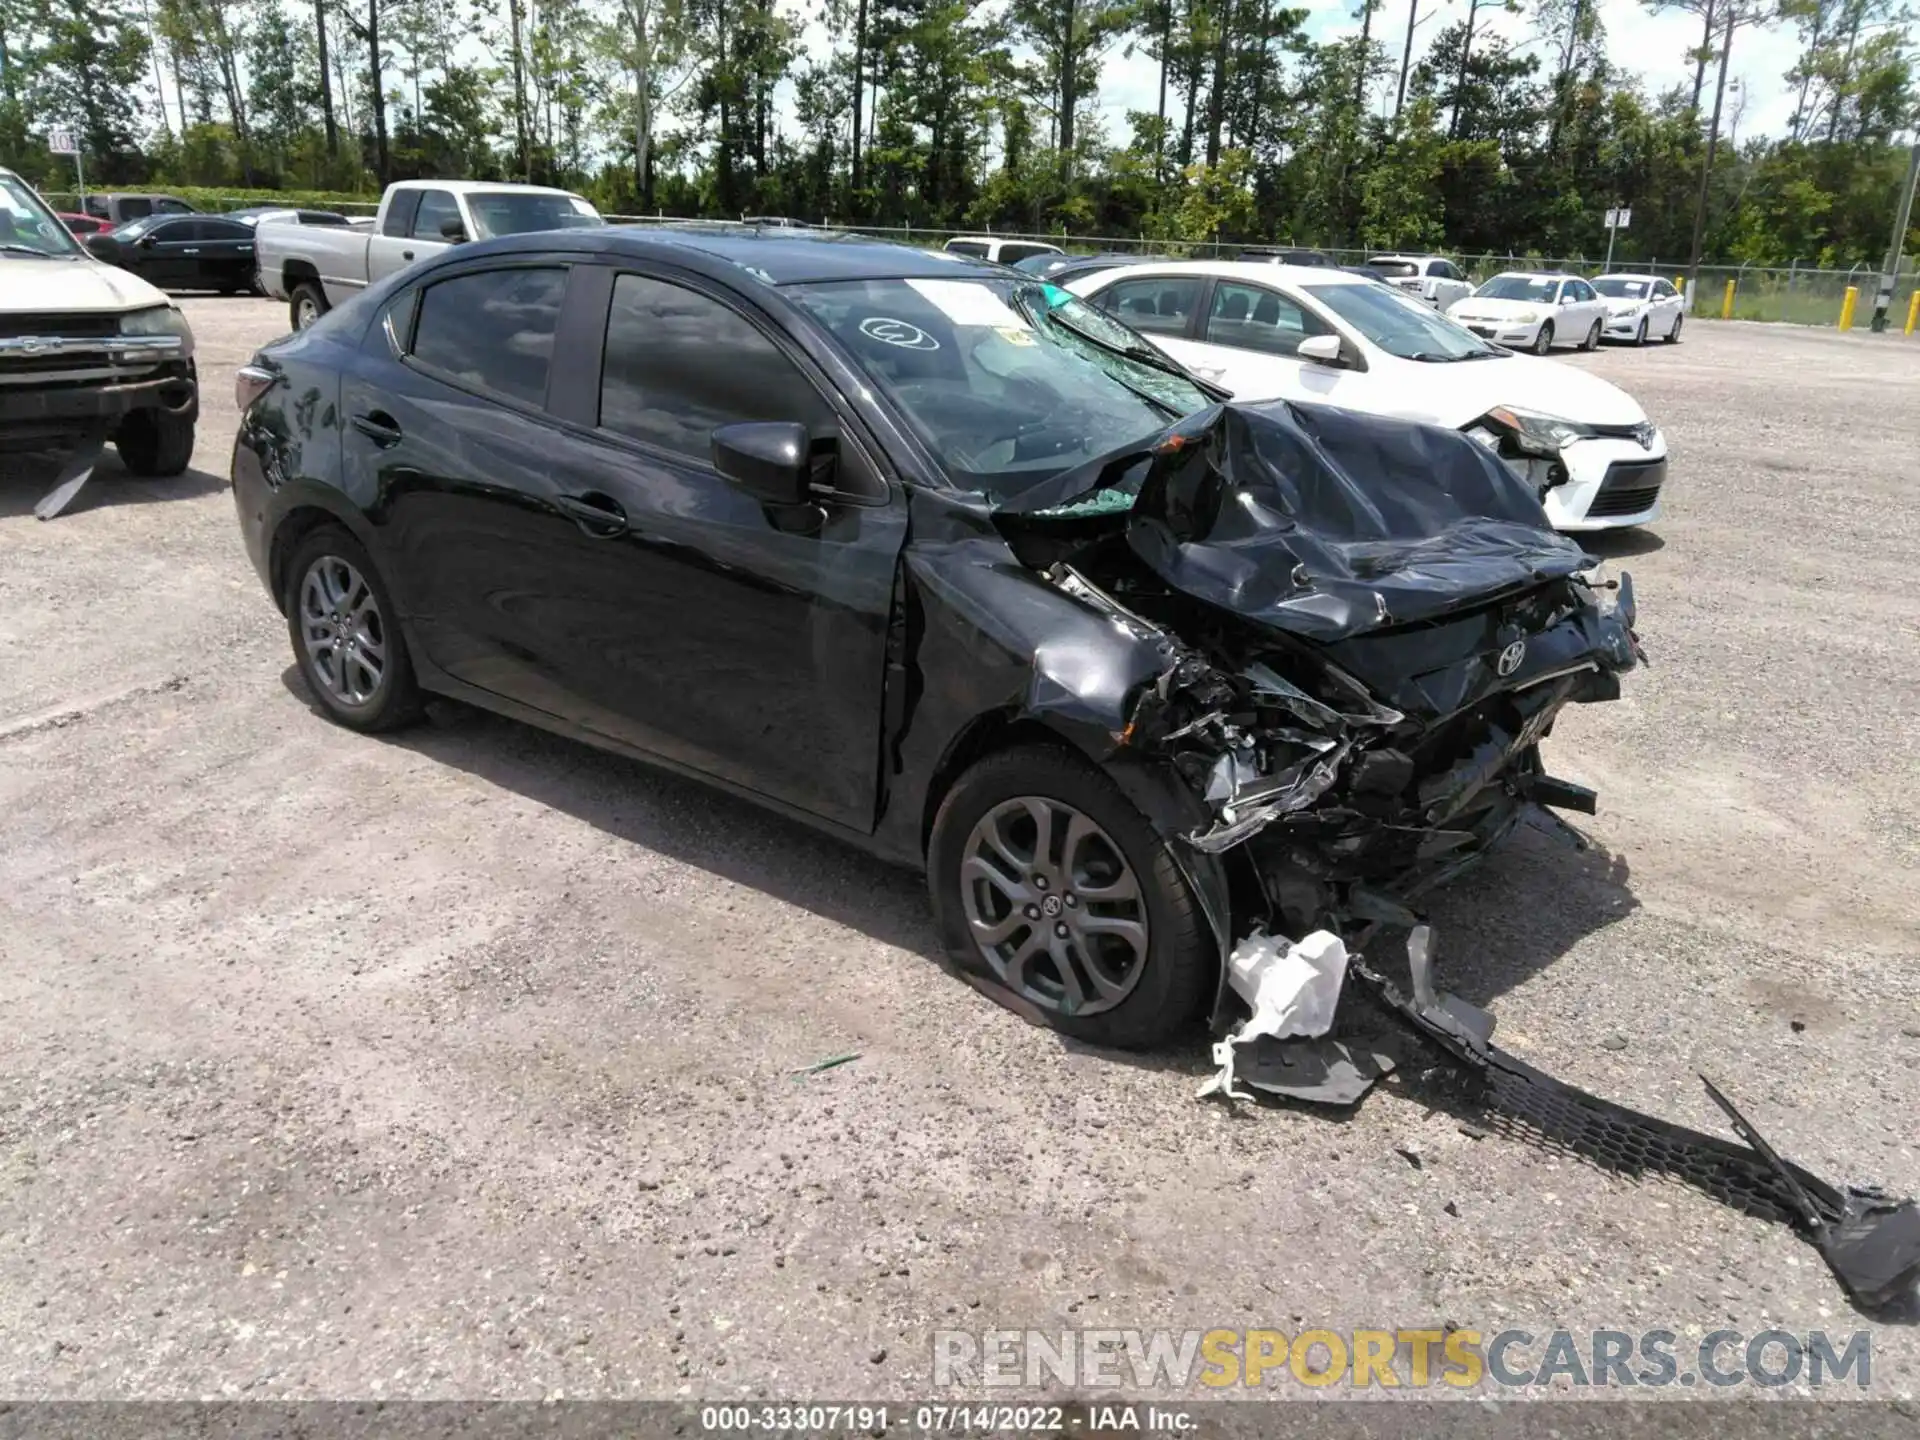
(939, 559)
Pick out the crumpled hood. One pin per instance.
(84, 285)
(1322, 522)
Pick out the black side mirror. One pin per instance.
(767, 459)
(452, 229)
(148, 241)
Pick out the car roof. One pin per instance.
(775, 255)
(1245, 270)
(1629, 275)
(1538, 275)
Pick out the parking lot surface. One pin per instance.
(463, 1063)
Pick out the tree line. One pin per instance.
(1427, 127)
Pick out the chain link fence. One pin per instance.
(1793, 294)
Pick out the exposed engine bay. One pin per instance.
(1358, 693)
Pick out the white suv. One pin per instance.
(1434, 278)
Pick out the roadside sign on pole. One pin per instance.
(1619, 219)
(63, 142)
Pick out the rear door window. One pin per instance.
(1154, 306)
(493, 330)
(400, 211)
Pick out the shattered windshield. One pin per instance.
(1009, 382)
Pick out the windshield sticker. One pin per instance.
(897, 332)
(968, 302)
(1015, 337)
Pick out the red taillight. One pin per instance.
(250, 382)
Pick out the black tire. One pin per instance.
(1673, 335)
(1640, 335)
(155, 443)
(1543, 342)
(1174, 980)
(306, 304)
(395, 700)
(1592, 342)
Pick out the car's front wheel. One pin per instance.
(345, 638)
(1543, 341)
(155, 443)
(1640, 335)
(1048, 880)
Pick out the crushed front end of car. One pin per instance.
(1365, 630)
(1369, 628)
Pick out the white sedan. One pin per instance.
(1267, 332)
(1642, 308)
(1534, 311)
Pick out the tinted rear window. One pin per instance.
(1395, 269)
(493, 329)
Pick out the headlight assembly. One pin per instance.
(159, 320)
(1532, 433)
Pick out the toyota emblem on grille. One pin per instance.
(1510, 658)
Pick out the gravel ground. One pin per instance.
(462, 1064)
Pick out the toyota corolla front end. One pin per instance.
(1588, 476)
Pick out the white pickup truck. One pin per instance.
(314, 268)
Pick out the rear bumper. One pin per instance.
(43, 416)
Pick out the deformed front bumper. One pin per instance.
(1609, 483)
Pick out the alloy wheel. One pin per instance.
(305, 313)
(1054, 908)
(343, 631)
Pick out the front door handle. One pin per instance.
(379, 427)
(406, 254)
(190, 250)
(598, 516)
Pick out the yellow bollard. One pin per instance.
(1726, 303)
(1913, 313)
(1846, 307)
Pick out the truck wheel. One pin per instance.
(1048, 881)
(155, 443)
(309, 304)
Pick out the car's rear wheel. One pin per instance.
(1045, 878)
(155, 443)
(1543, 342)
(308, 303)
(1592, 342)
(1673, 335)
(345, 638)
